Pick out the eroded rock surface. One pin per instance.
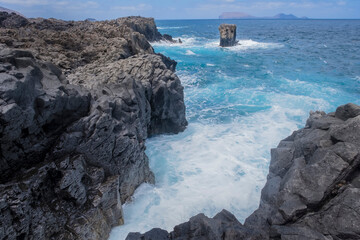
(73, 145)
(312, 190)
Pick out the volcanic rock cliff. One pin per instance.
(77, 102)
(312, 189)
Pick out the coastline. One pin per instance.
(117, 100)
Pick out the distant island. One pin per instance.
(240, 15)
(90, 19)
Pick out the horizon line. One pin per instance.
(303, 19)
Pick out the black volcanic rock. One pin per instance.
(12, 20)
(45, 195)
(145, 26)
(153, 234)
(312, 189)
(73, 145)
(227, 35)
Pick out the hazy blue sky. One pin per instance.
(181, 9)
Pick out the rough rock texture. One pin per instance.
(312, 191)
(72, 44)
(12, 20)
(227, 35)
(72, 146)
(146, 26)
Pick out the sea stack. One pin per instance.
(227, 35)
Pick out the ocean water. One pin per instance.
(241, 102)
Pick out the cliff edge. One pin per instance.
(77, 102)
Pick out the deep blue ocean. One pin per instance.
(241, 102)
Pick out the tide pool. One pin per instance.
(241, 102)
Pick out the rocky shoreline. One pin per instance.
(312, 189)
(77, 102)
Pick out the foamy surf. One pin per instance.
(186, 42)
(204, 170)
(190, 53)
(244, 45)
(194, 42)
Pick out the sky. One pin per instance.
(181, 9)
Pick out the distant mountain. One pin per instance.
(90, 19)
(240, 15)
(285, 16)
(2, 9)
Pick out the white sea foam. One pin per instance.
(244, 45)
(186, 42)
(210, 65)
(210, 167)
(216, 165)
(190, 53)
(250, 44)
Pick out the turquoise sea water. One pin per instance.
(241, 101)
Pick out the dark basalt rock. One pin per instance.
(35, 107)
(168, 38)
(145, 26)
(227, 35)
(42, 192)
(73, 146)
(12, 20)
(153, 234)
(312, 189)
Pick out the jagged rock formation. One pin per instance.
(227, 35)
(146, 26)
(312, 191)
(72, 146)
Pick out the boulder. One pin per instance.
(227, 35)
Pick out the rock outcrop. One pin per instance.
(145, 26)
(77, 102)
(312, 190)
(227, 35)
(12, 20)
